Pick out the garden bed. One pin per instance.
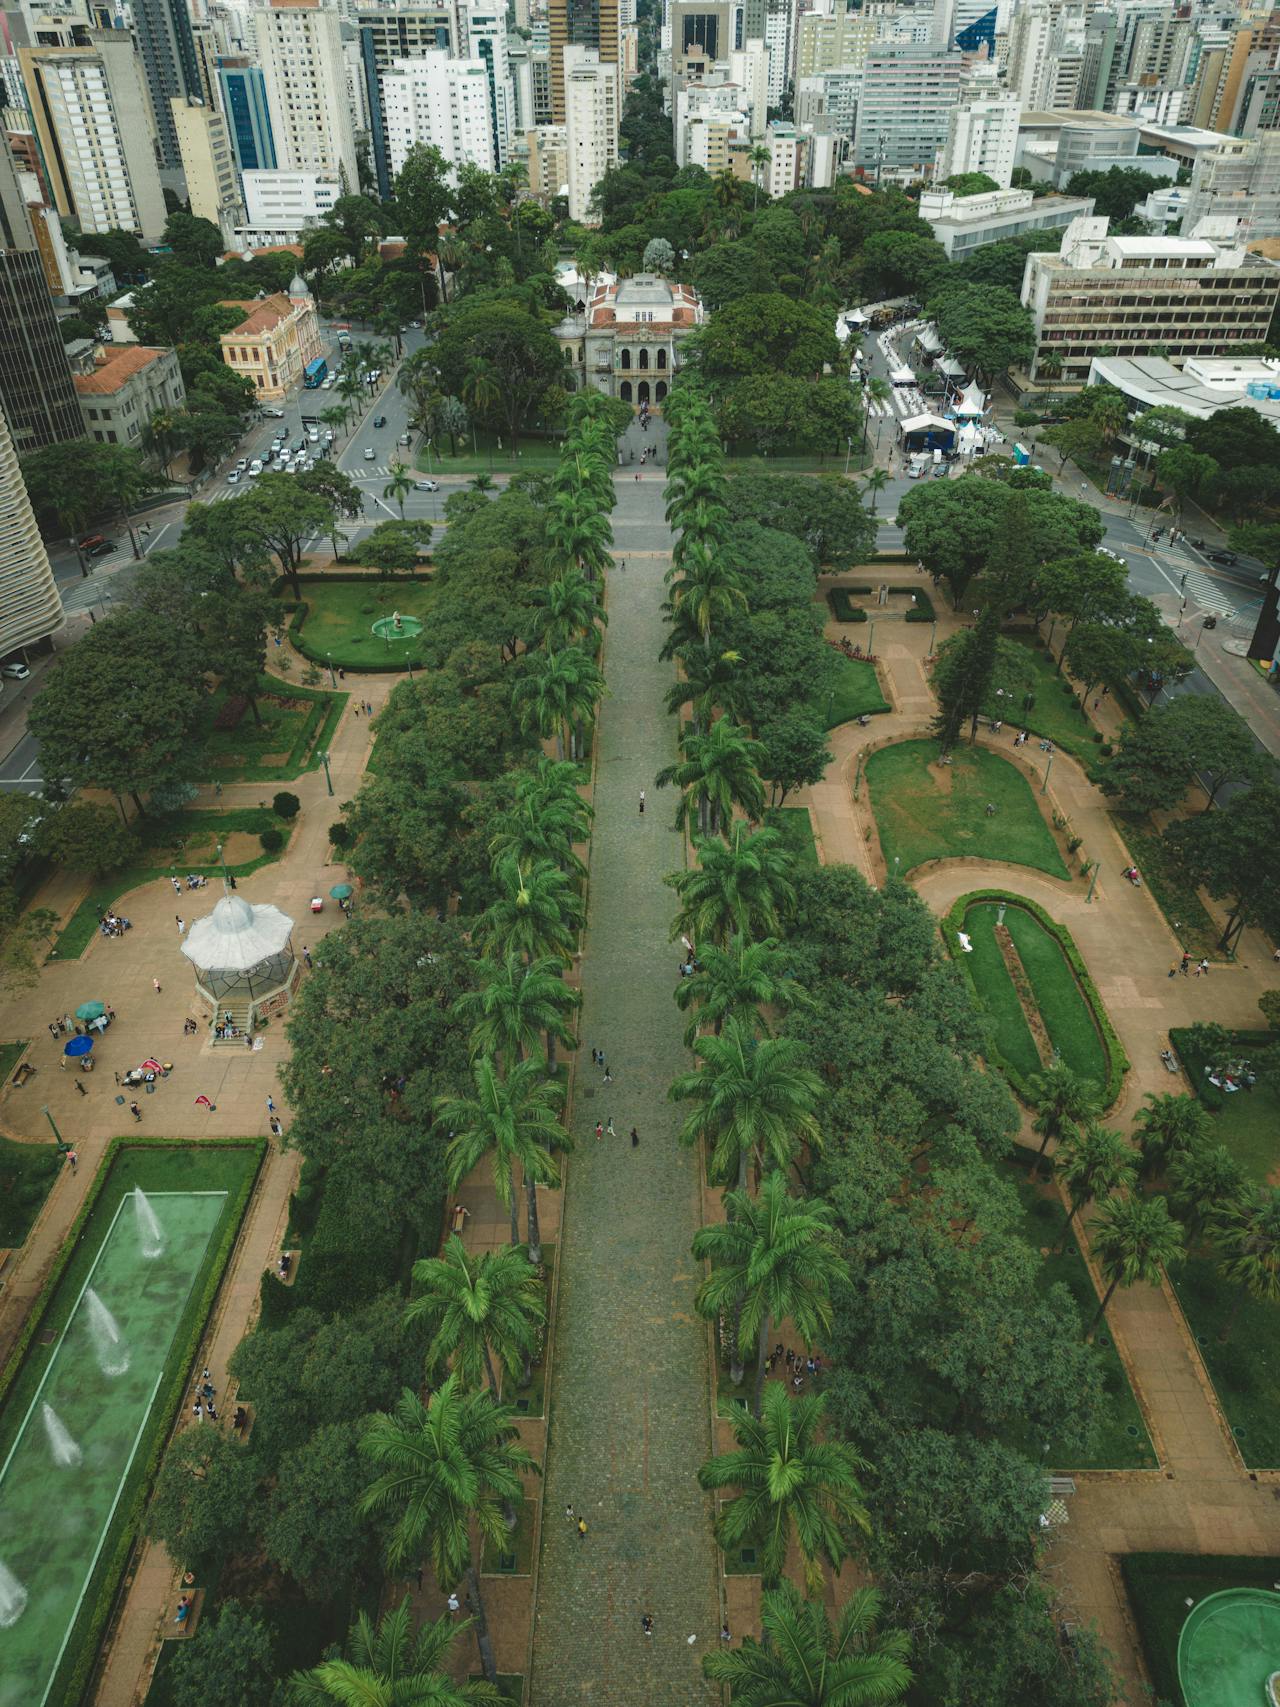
(1075, 1021)
(842, 606)
(334, 623)
(1159, 1586)
(55, 1339)
(857, 692)
(288, 741)
(927, 811)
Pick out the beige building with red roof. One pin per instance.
(274, 342)
(631, 334)
(121, 386)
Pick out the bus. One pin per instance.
(317, 372)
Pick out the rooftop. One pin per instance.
(1204, 387)
(262, 315)
(114, 367)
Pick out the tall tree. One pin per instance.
(478, 1305)
(1060, 1097)
(736, 982)
(962, 678)
(1133, 1241)
(536, 912)
(803, 1662)
(1091, 1162)
(1247, 1236)
(1167, 1127)
(739, 884)
(443, 1469)
(515, 1122)
(392, 1665)
(718, 772)
(515, 1005)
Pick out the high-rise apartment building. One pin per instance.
(398, 32)
(93, 121)
(208, 164)
(30, 605)
(982, 134)
(244, 101)
(592, 101)
(167, 48)
(592, 24)
(487, 41)
(779, 41)
(548, 161)
(36, 392)
(907, 96)
(442, 102)
(1240, 180)
(829, 38)
(749, 68)
(299, 47)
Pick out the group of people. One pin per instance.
(193, 881)
(799, 1365)
(203, 1405)
(113, 924)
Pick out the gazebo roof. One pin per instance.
(236, 935)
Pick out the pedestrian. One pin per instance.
(231, 878)
(609, 1132)
(71, 1155)
(177, 887)
(724, 1633)
(211, 1410)
(642, 802)
(582, 1529)
(1203, 967)
(110, 1011)
(155, 985)
(635, 1139)
(637, 479)
(197, 1410)
(454, 1604)
(595, 1056)
(182, 925)
(135, 1111)
(646, 1623)
(306, 956)
(277, 1130)
(622, 563)
(568, 1512)
(53, 1030)
(1184, 963)
(599, 1131)
(368, 706)
(356, 711)
(271, 1103)
(608, 1076)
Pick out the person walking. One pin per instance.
(155, 985)
(180, 922)
(608, 1076)
(271, 1103)
(568, 1512)
(642, 802)
(582, 1529)
(72, 1158)
(635, 1139)
(599, 1131)
(609, 1132)
(454, 1605)
(306, 957)
(135, 1111)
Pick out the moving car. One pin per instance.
(426, 485)
(404, 439)
(255, 469)
(1228, 558)
(369, 453)
(15, 672)
(103, 548)
(313, 435)
(90, 540)
(379, 420)
(233, 479)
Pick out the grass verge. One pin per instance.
(1247, 1122)
(1245, 1367)
(1185, 912)
(926, 811)
(27, 1173)
(1159, 1586)
(278, 749)
(795, 826)
(857, 692)
(1055, 713)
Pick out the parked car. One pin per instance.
(404, 439)
(369, 453)
(255, 469)
(103, 548)
(89, 541)
(274, 414)
(313, 435)
(1228, 558)
(243, 464)
(15, 672)
(426, 485)
(379, 421)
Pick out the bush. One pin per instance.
(285, 805)
(843, 607)
(341, 835)
(922, 610)
(272, 840)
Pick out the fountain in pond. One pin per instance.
(66, 1454)
(13, 1597)
(150, 1233)
(108, 1343)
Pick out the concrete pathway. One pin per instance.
(629, 1418)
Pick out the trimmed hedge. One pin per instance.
(90, 1622)
(842, 605)
(1117, 1061)
(922, 610)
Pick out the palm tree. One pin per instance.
(701, 482)
(753, 1101)
(875, 483)
(789, 1479)
(528, 833)
(1090, 1163)
(726, 189)
(481, 386)
(802, 1662)
(709, 684)
(553, 784)
(443, 1469)
(735, 982)
(1133, 1240)
(1049, 366)
(514, 1120)
(351, 391)
(774, 1259)
(559, 692)
(580, 537)
(567, 610)
(536, 912)
(737, 885)
(399, 486)
(1203, 1184)
(1169, 1126)
(515, 1005)
(482, 483)
(720, 770)
(705, 591)
(1059, 1095)
(1247, 1234)
(334, 417)
(479, 1305)
(391, 1666)
(758, 159)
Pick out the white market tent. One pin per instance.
(926, 423)
(951, 367)
(902, 376)
(973, 402)
(928, 340)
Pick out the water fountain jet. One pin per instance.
(66, 1453)
(108, 1342)
(13, 1598)
(151, 1240)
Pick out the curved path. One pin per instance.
(629, 1421)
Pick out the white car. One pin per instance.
(369, 453)
(286, 456)
(15, 672)
(255, 469)
(328, 382)
(243, 464)
(313, 433)
(426, 485)
(233, 479)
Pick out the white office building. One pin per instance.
(299, 47)
(591, 124)
(442, 102)
(779, 41)
(982, 136)
(288, 201)
(903, 114)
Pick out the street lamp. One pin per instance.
(61, 1143)
(1044, 787)
(333, 680)
(1093, 884)
(222, 861)
(328, 780)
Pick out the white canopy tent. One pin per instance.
(972, 403)
(926, 423)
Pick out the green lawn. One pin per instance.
(1123, 1442)
(1058, 996)
(154, 1166)
(1161, 1584)
(490, 457)
(1245, 1368)
(1247, 1122)
(925, 811)
(1056, 714)
(1187, 916)
(293, 721)
(27, 1172)
(1010, 1033)
(178, 843)
(340, 617)
(796, 829)
(10, 1055)
(856, 692)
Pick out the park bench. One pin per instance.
(24, 1072)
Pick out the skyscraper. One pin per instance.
(440, 101)
(167, 48)
(36, 391)
(244, 100)
(591, 24)
(591, 124)
(30, 605)
(299, 47)
(388, 33)
(208, 164)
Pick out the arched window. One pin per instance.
(660, 390)
(626, 359)
(642, 391)
(644, 358)
(662, 358)
(625, 390)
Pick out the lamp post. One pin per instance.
(1093, 884)
(61, 1143)
(933, 635)
(328, 780)
(871, 639)
(1044, 787)
(333, 680)
(222, 861)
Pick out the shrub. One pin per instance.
(843, 607)
(341, 835)
(922, 610)
(231, 711)
(367, 610)
(272, 840)
(285, 805)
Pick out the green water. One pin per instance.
(1229, 1646)
(53, 1517)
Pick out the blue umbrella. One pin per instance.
(78, 1046)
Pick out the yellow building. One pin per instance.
(274, 342)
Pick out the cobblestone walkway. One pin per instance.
(629, 1419)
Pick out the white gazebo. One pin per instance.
(244, 964)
